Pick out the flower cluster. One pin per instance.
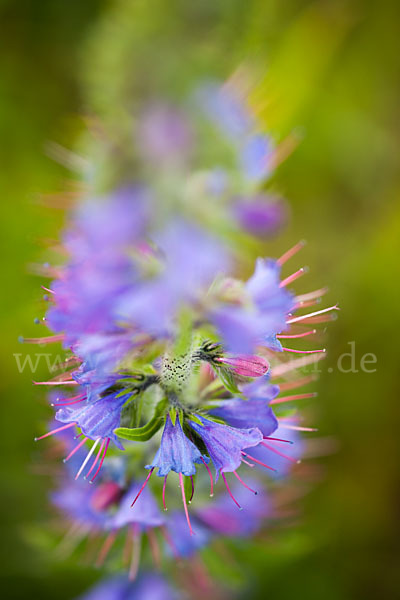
(175, 365)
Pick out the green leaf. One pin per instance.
(196, 419)
(228, 380)
(172, 415)
(142, 434)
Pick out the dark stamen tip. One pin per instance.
(36, 321)
(21, 339)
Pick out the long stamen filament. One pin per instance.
(54, 431)
(245, 484)
(101, 461)
(211, 477)
(293, 397)
(96, 459)
(85, 462)
(143, 486)
(229, 491)
(75, 449)
(184, 503)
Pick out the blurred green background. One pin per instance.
(328, 69)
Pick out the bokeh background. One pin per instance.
(329, 71)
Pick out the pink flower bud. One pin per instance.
(106, 494)
(247, 365)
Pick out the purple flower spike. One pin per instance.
(176, 453)
(247, 413)
(225, 444)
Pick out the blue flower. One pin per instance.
(185, 544)
(148, 586)
(224, 443)
(75, 500)
(176, 453)
(255, 157)
(273, 301)
(247, 413)
(280, 456)
(261, 216)
(97, 419)
(223, 518)
(146, 513)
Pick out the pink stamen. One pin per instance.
(69, 382)
(163, 492)
(110, 539)
(95, 460)
(293, 277)
(245, 484)
(101, 461)
(54, 431)
(293, 397)
(136, 539)
(312, 295)
(291, 252)
(297, 335)
(143, 486)
(297, 428)
(274, 439)
(303, 304)
(75, 449)
(290, 385)
(73, 400)
(47, 289)
(296, 364)
(44, 340)
(211, 477)
(154, 548)
(303, 351)
(184, 503)
(191, 497)
(258, 461)
(318, 312)
(85, 462)
(229, 491)
(247, 463)
(294, 460)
